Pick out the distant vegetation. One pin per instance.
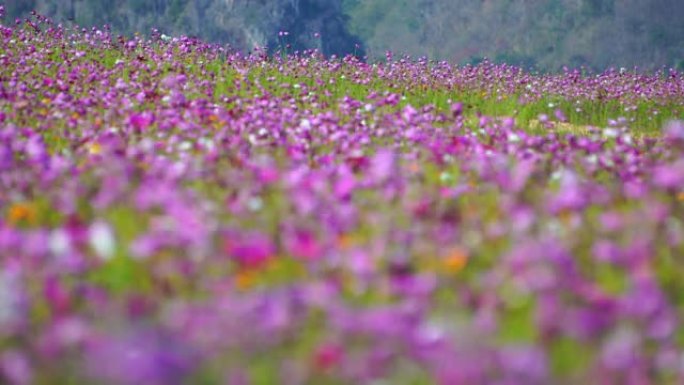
(541, 34)
(546, 34)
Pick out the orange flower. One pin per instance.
(345, 241)
(22, 212)
(680, 196)
(245, 279)
(455, 261)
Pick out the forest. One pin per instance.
(545, 35)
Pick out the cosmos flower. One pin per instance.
(172, 211)
(251, 249)
(102, 240)
(141, 356)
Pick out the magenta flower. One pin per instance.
(251, 249)
(302, 244)
(140, 122)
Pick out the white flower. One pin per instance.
(207, 143)
(610, 133)
(185, 145)
(102, 240)
(445, 177)
(9, 301)
(255, 204)
(557, 174)
(59, 242)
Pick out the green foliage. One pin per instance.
(569, 357)
(176, 9)
(544, 34)
(598, 8)
(19, 7)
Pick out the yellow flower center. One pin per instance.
(94, 148)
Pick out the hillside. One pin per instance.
(243, 24)
(547, 34)
(544, 34)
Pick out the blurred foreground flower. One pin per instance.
(22, 213)
(102, 240)
(139, 357)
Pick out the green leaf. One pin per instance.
(569, 356)
(516, 325)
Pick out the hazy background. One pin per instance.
(544, 34)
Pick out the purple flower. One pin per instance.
(570, 196)
(526, 364)
(147, 357)
(669, 175)
(606, 251)
(140, 122)
(674, 131)
(621, 349)
(16, 368)
(560, 116)
(456, 109)
(345, 183)
(383, 166)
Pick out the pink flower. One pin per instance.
(303, 244)
(328, 356)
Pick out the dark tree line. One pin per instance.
(243, 24)
(545, 34)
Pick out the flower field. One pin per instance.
(173, 212)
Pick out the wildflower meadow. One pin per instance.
(176, 212)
